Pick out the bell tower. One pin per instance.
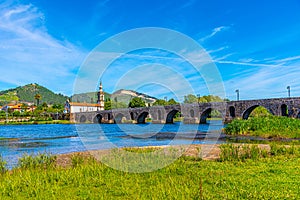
(100, 95)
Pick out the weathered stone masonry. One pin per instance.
(192, 113)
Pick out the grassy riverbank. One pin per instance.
(36, 122)
(273, 176)
(267, 127)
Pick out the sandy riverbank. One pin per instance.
(204, 151)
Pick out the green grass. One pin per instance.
(267, 127)
(36, 122)
(273, 177)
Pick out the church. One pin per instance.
(75, 107)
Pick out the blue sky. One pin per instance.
(254, 44)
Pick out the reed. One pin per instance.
(41, 160)
(2, 165)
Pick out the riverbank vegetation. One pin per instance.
(43, 114)
(265, 126)
(273, 176)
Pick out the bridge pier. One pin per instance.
(191, 120)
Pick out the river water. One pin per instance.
(15, 140)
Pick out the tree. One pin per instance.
(190, 98)
(107, 105)
(172, 102)
(45, 105)
(38, 97)
(16, 113)
(136, 102)
(160, 102)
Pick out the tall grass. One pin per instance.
(2, 165)
(184, 179)
(269, 126)
(41, 160)
(230, 152)
(235, 152)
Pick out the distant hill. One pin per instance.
(119, 96)
(26, 94)
(126, 95)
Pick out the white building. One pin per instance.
(75, 107)
(83, 107)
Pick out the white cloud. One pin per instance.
(30, 54)
(263, 81)
(214, 32)
(292, 58)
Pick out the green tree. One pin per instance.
(45, 106)
(190, 98)
(58, 106)
(172, 102)
(38, 97)
(160, 102)
(136, 102)
(107, 105)
(16, 113)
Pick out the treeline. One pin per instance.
(43, 110)
(139, 102)
(191, 98)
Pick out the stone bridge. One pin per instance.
(193, 113)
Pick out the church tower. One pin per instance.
(100, 95)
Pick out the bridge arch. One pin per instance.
(207, 114)
(170, 116)
(82, 119)
(97, 119)
(118, 118)
(247, 112)
(142, 118)
(284, 110)
(131, 115)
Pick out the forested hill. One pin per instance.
(27, 93)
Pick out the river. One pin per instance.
(15, 140)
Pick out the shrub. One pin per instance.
(269, 126)
(38, 161)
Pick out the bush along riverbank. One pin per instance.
(266, 127)
(240, 173)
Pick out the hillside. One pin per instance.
(126, 95)
(89, 97)
(26, 94)
(119, 96)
